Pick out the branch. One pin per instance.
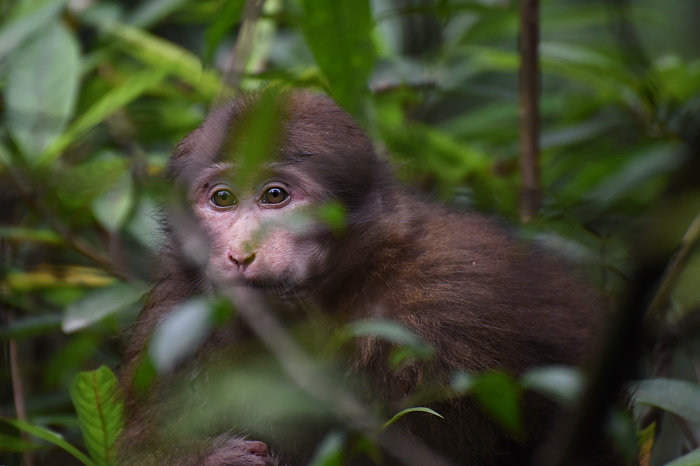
(528, 41)
(237, 61)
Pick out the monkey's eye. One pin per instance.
(223, 198)
(274, 195)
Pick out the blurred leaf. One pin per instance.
(690, 459)
(98, 304)
(161, 55)
(643, 167)
(28, 234)
(30, 326)
(499, 394)
(135, 85)
(112, 207)
(393, 332)
(330, 451)
(50, 276)
(143, 224)
(333, 214)
(680, 397)
(339, 36)
(180, 333)
(100, 411)
(224, 392)
(9, 443)
(403, 412)
(26, 19)
(646, 443)
(52, 437)
(151, 11)
(80, 184)
(221, 25)
(262, 125)
(41, 89)
(563, 383)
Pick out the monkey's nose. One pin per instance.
(242, 259)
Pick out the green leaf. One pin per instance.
(113, 207)
(15, 444)
(330, 451)
(393, 332)
(78, 185)
(339, 36)
(26, 19)
(150, 12)
(419, 409)
(100, 411)
(41, 90)
(680, 397)
(130, 89)
(562, 383)
(160, 54)
(30, 326)
(29, 234)
(180, 333)
(51, 437)
(499, 394)
(97, 304)
(230, 16)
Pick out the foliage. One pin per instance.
(96, 94)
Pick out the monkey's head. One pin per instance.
(256, 172)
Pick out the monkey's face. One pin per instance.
(260, 233)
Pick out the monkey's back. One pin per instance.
(485, 300)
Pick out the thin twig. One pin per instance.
(237, 61)
(528, 41)
(659, 304)
(18, 395)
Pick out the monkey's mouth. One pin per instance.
(277, 287)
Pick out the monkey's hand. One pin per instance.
(228, 450)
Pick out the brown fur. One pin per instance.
(481, 297)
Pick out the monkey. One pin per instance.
(480, 297)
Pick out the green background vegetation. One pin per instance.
(94, 95)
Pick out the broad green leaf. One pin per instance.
(339, 36)
(418, 409)
(100, 411)
(690, 459)
(51, 437)
(25, 22)
(112, 208)
(41, 90)
(130, 89)
(680, 397)
(98, 304)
